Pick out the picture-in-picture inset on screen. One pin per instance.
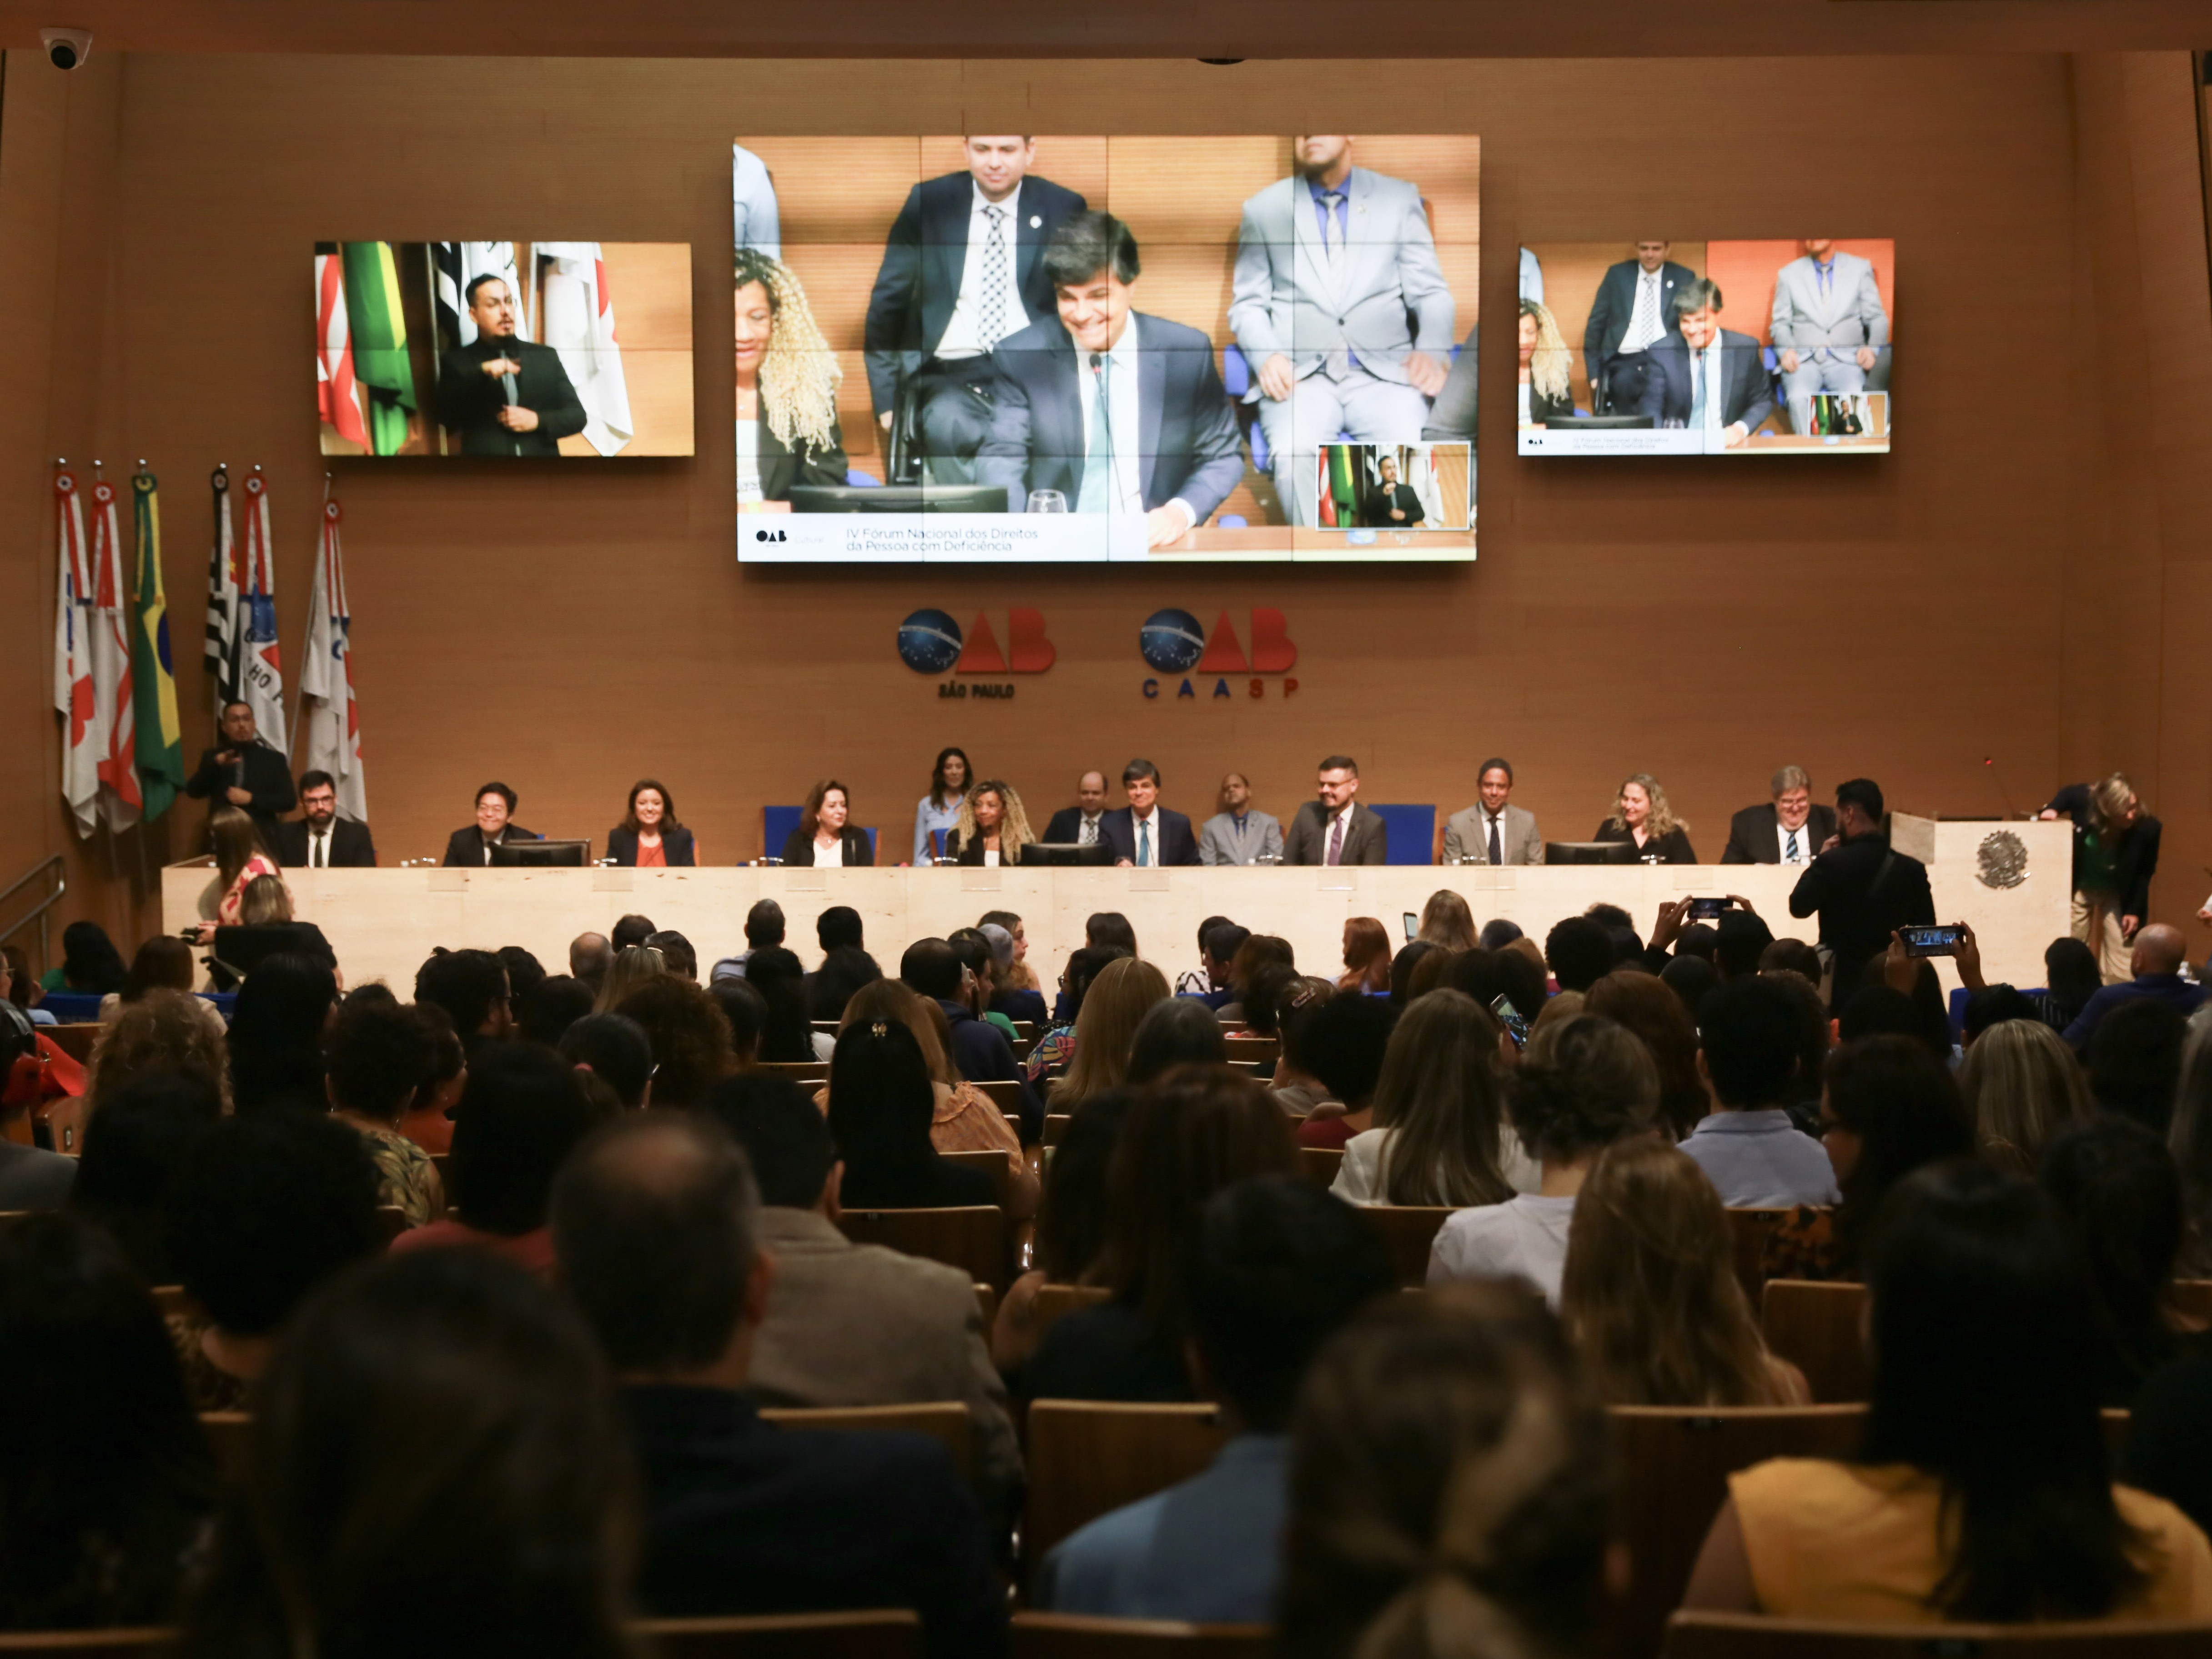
(503, 349)
(1074, 348)
(1737, 347)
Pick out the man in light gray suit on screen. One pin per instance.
(1828, 326)
(1493, 830)
(1329, 263)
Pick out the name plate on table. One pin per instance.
(1337, 879)
(805, 878)
(983, 880)
(449, 881)
(1151, 879)
(614, 879)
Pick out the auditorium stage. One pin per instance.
(383, 922)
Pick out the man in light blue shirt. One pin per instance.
(1239, 834)
(1279, 1266)
(1749, 1036)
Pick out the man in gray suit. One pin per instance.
(1237, 834)
(1493, 831)
(1329, 263)
(1828, 326)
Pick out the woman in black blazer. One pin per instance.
(825, 836)
(1545, 360)
(992, 821)
(786, 392)
(1642, 817)
(648, 834)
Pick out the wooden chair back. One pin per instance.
(1086, 1457)
(1071, 1636)
(891, 1633)
(946, 1422)
(2193, 1299)
(231, 1435)
(172, 1301)
(1747, 1636)
(77, 1042)
(391, 1221)
(1751, 1230)
(1815, 1327)
(1259, 1050)
(798, 1070)
(1408, 1230)
(1006, 1097)
(87, 1644)
(1319, 1165)
(987, 1302)
(1053, 1302)
(443, 1164)
(1056, 1126)
(994, 1164)
(1675, 1465)
(972, 1238)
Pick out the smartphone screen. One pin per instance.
(1942, 940)
(1708, 909)
(1510, 1017)
(1412, 927)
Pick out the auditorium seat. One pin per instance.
(1412, 831)
(1675, 1465)
(1006, 1097)
(1319, 1165)
(1750, 1636)
(972, 1237)
(74, 1041)
(1815, 1327)
(1752, 1229)
(391, 1221)
(72, 1008)
(986, 1303)
(797, 1071)
(945, 1421)
(1053, 1302)
(1251, 1047)
(1056, 1126)
(87, 1644)
(890, 1633)
(231, 1436)
(172, 1301)
(992, 1162)
(1071, 1636)
(2193, 1299)
(1409, 1229)
(1087, 1457)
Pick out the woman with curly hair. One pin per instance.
(992, 827)
(1545, 360)
(787, 376)
(1641, 816)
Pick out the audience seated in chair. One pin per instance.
(2022, 1088)
(1114, 1003)
(1278, 1268)
(612, 1052)
(657, 1226)
(1347, 1038)
(276, 1035)
(1439, 1118)
(690, 1037)
(1071, 1229)
(376, 1053)
(1755, 1157)
(134, 1147)
(881, 1107)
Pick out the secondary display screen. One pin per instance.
(1747, 348)
(1076, 349)
(503, 350)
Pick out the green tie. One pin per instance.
(1096, 493)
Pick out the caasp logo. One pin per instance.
(931, 642)
(1174, 642)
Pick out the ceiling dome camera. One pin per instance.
(66, 48)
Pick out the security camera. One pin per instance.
(66, 48)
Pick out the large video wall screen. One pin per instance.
(1742, 347)
(1023, 349)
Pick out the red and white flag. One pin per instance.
(577, 316)
(261, 672)
(331, 712)
(73, 692)
(337, 393)
(114, 722)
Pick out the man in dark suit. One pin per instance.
(1394, 506)
(504, 395)
(1335, 828)
(741, 1516)
(1862, 889)
(962, 269)
(321, 840)
(1632, 312)
(1146, 834)
(495, 827)
(1121, 412)
(245, 772)
(1706, 377)
(1079, 825)
(1787, 829)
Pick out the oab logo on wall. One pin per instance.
(1175, 644)
(931, 642)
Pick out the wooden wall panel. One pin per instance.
(571, 628)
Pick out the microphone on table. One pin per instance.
(1998, 778)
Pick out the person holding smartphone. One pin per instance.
(1862, 889)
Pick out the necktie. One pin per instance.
(1096, 494)
(1333, 225)
(1144, 843)
(322, 858)
(1336, 840)
(1791, 857)
(1088, 836)
(1497, 852)
(994, 308)
(1698, 390)
(1643, 326)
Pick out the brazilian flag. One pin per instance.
(153, 676)
(1344, 482)
(379, 329)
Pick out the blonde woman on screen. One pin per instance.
(1545, 393)
(787, 379)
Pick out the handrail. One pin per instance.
(51, 865)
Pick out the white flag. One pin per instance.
(226, 614)
(73, 698)
(1421, 473)
(329, 710)
(114, 734)
(262, 667)
(578, 321)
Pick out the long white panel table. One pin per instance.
(383, 922)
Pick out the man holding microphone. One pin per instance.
(503, 394)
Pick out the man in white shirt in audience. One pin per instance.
(1749, 1034)
(1239, 833)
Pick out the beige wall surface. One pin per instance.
(2022, 580)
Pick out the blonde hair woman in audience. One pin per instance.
(164, 1031)
(1439, 1112)
(967, 1119)
(240, 856)
(1113, 1007)
(1450, 1493)
(1546, 394)
(267, 900)
(992, 827)
(787, 388)
(2190, 1141)
(2022, 1086)
(1446, 921)
(633, 967)
(1651, 1290)
(1641, 814)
